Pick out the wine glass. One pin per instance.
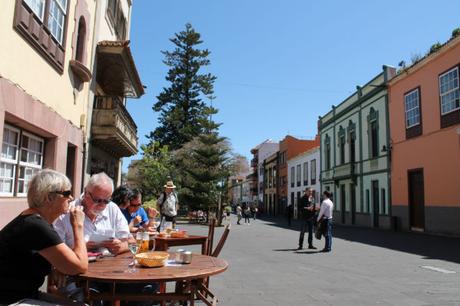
(133, 247)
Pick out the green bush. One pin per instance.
(151, 203)
(455, 32)
(435, 47)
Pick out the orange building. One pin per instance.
(424, 112)
(289, 147)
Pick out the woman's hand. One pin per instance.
(77, 216)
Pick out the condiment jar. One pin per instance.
(187, 257)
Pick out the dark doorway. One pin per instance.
(342, 202)
(375, 203)
(416, 199)
(353, 202)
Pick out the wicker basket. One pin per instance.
(152, 259)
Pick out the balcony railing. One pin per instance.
(113, 129)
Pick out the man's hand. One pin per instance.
(115, 246)
(137, 220)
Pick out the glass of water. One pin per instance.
(133, 247)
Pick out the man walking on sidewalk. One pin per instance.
(307, 211)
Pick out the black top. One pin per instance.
(305, 203)
(22, 269)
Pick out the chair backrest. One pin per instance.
(221, 242)
(212, 225)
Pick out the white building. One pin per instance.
(303, 172)
(261, 152)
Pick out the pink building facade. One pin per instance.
(424, 112)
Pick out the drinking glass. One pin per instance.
(168, 227)
(152, 244)
(133, 247)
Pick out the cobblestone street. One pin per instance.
(365, 267)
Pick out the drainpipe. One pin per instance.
(90, 101)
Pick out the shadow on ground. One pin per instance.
(428, 246)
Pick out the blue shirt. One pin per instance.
(140, 212)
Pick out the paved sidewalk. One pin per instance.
(365, 267)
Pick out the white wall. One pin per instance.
(307, 157)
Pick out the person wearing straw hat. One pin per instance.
(168, 203)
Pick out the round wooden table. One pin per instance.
(114, 270)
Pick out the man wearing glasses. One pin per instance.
(136, 215)
(104, 226)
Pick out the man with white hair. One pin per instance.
(104, 226)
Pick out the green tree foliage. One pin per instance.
(183, 112)
(204, 164)
(154, 169)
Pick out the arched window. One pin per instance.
(81, 38)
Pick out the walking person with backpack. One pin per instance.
(168, 203)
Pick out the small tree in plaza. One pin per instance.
(203, 164)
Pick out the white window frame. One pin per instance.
(34, 6)
(313, 170)
(60, 23)
(9, 161)
(305, 173)
(292, 182)
(17, 163)
(454, 90)
(299, 175)
(412, 107)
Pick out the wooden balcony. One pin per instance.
(113, 129)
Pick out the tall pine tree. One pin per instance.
(183, 112)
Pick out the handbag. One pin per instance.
(319, 230)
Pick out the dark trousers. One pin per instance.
(304, 226)
(171, 219)
(328, 234)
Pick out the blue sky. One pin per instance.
(282, 63)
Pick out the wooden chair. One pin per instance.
(221, 242)
(215, 253)
(202, 289)
(212, 225)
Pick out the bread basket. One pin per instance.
(152, 259)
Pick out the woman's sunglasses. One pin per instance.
(65, 193)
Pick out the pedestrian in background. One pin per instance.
(239, 213)
(247, 214)
(325, 216)
(168, 203)
(307, 209)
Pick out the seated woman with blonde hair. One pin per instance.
(29, 245)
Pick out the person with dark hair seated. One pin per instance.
(130, 203)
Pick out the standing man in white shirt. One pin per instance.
(168, 203)
(325, 216)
